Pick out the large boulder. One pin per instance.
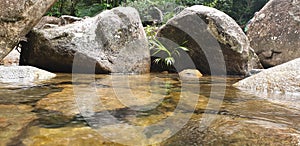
(284, 78)
(214, 40)
(113, 41)
(279, 84)
(17, 18)
(274, 33)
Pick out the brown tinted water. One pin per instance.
(151, 109)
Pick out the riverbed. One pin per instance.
(150, 109)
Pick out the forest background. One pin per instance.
(240, 10)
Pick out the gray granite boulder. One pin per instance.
(17, 18)
(112, 41)
(215, 41)
(279, 84)
(274, 33)
(284, 79)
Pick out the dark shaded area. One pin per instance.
(34, 51)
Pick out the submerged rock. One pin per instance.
(23, 74)
(66, 136)
(215, 41)
(190, 74)
(274, 33)
(113, 41)
(112, 93)
(226, 130)
(14, 120)
(17, 18)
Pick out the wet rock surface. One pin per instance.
(279, 84)
(282, 79)
(225, 130)
(14, 120)
(106, 94)
(66, 136)
(17, 18)
(214, 40)
(274, 33)
(112, 41)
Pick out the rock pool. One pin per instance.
(100, 110)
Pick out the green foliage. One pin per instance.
(150, 31)
(81, 8)
(91, 10)
(57, 9)
(167, 7)
(157, 47)
(240, 10)
(170, 53)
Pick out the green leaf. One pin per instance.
(184, 42)
(169, 61)
(160, 46)
(183, 48)
(156, 52)
(157, 60)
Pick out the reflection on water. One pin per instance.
(141, 110)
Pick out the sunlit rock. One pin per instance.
(279, 84)
(112, 41)
(274, 33)
(284, 79)
(23, 74)
(17, 18)
(190, 74)
(12, 59)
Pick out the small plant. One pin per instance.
(150, 31)
(159, 47)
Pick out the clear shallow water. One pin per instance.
(101, 110)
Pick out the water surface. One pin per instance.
(142, 110)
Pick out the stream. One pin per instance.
(150, 109)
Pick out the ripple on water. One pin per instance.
(239, 119)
